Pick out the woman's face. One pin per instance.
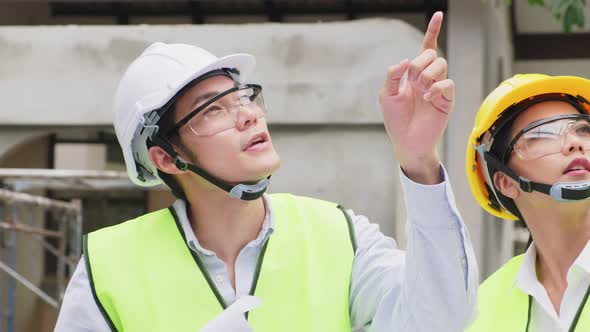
(553, 167)
(568, 162)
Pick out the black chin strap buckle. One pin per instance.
(180, 163)
(570, 191)
(249, 192)
(525, 184)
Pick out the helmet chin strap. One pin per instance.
(560, 191)
(243, 191)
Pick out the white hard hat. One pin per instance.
(150, 82)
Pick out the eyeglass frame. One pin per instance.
(535, 124)
(174, 130)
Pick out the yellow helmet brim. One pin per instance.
(509, 93)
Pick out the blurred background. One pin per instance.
(320, 62)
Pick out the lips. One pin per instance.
(578, 165)
(256, 140)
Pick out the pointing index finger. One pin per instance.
(431, 36)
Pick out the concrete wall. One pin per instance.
(80, 156)
(466, 68)
(576, 67)
(351, 165)
(497, 240)
(480, 56)
(308, 67)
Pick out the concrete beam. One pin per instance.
(313, 73)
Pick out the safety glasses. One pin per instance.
(548, 136)
(223, 111)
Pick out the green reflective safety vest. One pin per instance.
(144, 277)
(502, 306)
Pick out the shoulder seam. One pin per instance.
(102, 310)
(351, 232)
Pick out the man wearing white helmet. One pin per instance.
(190, 119)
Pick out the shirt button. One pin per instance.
(219, 279)
(463, 262)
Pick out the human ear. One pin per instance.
(506, 185)
(163, 161)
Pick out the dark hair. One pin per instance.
(498, 148)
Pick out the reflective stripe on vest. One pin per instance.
(502, 306)
(145, 278)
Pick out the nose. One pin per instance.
(247, 117)
(573, 143)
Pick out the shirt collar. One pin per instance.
(526, 278)
(191, 238)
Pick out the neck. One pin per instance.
(223, 224)
(560, 236)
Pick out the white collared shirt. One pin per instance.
(544, 318)
(432, 286)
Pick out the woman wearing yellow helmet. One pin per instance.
(527, 159)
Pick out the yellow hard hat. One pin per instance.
(509, 93)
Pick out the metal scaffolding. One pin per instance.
(67, 234)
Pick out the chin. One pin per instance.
(264, 163)
(266, 168)
(252, 172)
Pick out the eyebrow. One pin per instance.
(205, 96)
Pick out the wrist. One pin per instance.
(423, 170)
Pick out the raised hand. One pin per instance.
(416, 107)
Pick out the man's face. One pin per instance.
(242, 153)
